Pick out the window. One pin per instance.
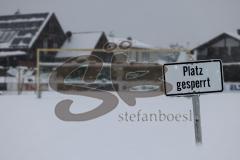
(137, 57)
(223, 55)
(213, 52)
(6, 36)
(55, 44)
(145, 57)
(235, 51)
(131, 57)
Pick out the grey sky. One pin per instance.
(157, 22)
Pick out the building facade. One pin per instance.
(22, 34)
(226, 47)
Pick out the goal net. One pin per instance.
(108, 69)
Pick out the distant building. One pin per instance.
(98, 40)
(139, 53)
(133, 55)
(22, 34)
(85, 40)
(226, 47)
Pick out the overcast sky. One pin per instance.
(157, 22)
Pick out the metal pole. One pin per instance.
(18, 80)
(197, 119)
(38, 74)
(196, 113)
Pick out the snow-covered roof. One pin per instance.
(20, 31)
(234, 34)
(89, 40)
(135, 43)
(84, 40)
(11, 53)
(231, 34)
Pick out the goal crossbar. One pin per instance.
(117, 50)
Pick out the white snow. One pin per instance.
(89, 40)
(40, 30)
(25, 74)
(2, 79)
(5, 45)
(22, 44)
(183, 57)
(28, 35)
(80, 40)
(231, 33)
(231, 63)
(11, 53)
(22, 20)
(135, 43)
(30, 130)
(12, 71)
(234, 34)
(8, 79)
(161, 61)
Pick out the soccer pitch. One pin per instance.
(30, 129)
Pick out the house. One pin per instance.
(138, 52)
(225, 46)
(85, 40)
(98, 40)
(22, 34)
(134, 55)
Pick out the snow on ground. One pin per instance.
(31, 131)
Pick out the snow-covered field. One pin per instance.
(31, 131)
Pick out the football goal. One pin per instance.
(112, 68)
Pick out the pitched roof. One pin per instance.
(89, 40)
(20, 31)
(233, 35)
(135, 43)
(84, 40)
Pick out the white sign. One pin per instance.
(193, 77)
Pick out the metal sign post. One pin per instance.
(193, 78)
(197, 119)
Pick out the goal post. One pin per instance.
(49, 58)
